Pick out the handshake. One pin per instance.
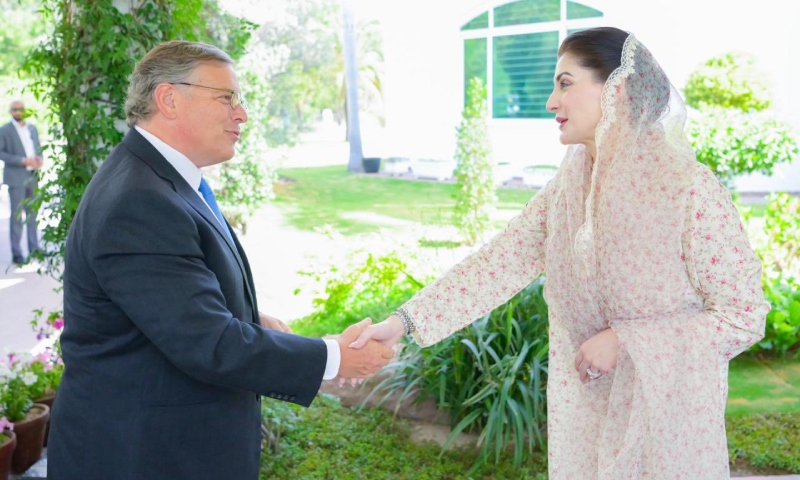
(364, 348)
(362, 353)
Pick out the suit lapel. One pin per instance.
(145, 151)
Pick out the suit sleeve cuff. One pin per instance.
(334, 359)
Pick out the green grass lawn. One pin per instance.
(352, 204)
(329, 441)
(763, 386)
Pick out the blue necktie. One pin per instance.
(211, 200)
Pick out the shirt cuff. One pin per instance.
(334, 360)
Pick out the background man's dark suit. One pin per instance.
(21, 184)
(144, 377)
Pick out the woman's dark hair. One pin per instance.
(596, 49)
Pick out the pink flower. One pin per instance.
(58, 323)
(5, 424)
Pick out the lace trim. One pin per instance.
(609, 95)
(585, 234)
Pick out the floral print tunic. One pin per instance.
(645, 241)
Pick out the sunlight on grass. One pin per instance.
(757, 386)
(313, 197)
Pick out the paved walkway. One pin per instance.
(21, 291)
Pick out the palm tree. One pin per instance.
(351, 93)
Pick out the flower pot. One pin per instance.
(30, 438)
(371, 164)
(46, 400)
(6, 452)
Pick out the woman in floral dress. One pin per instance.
(652, 285)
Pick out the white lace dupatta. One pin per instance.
(637, 258)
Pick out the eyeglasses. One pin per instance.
(17, 109)
(236, 98)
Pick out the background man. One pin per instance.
(21, 152)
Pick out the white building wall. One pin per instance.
(424, 63)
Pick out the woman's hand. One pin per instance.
(597, 356)
(388, 332)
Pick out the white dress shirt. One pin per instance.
(193, 175)
(24, 132)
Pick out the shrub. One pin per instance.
(766, 441)
(733, 143)
(372, 286)
(15, 383)
(491, 376)
(782, 334)
(775, 240)
(729, 81)
(475, 197)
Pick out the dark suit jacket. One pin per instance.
(12, 153)
(164, 354)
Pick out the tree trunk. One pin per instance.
(351, 86)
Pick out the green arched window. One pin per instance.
(513, 48)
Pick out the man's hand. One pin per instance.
(363, 362)
(388, 332)
(598, 355)
(32, 162)
(273, 323)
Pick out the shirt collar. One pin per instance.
(179, 161)
(18, 124)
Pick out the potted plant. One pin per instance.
(47, 365)
(48, 368)
(30, 419)
(8, 441)
(371, 164)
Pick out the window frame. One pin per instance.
(489, 33)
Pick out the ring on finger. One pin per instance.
(592, 374)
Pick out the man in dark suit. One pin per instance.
(21, 152)
(165, 356)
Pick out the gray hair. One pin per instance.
(169, 62)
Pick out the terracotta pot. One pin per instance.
(6, 452)
(46, 400)
(30, 438)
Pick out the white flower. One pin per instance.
(29, 378)
(24, 357)
(5, 371)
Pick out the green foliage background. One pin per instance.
(730, 128)
(80, 72)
